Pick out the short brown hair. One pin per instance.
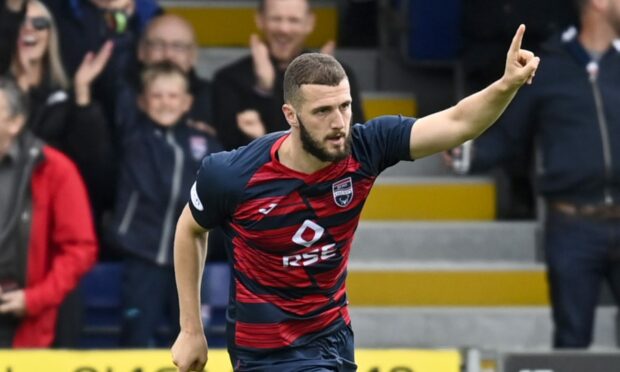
(311, 68)
(158, 69)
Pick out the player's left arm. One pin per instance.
(474, 114)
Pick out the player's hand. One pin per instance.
(189, 352)
(263, 69)
(521, 64)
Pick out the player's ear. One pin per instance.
(290, 115)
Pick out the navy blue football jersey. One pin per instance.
(291, 232)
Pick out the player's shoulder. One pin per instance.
(241, 163)
(380, 124)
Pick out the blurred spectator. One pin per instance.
(487, 27)
(168, 38)
(248, 94)
(72, 123)
(11, 17)
(85, 25)
(572, 110)
(46, 230)
(161, 153)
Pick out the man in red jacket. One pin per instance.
(47, 239)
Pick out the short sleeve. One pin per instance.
(211, 199)
(382, 142)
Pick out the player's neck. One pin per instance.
(292, 155)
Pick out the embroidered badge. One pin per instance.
(343, 192)
(198, 146)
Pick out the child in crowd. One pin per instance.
(161, 151)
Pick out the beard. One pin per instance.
(319, 150)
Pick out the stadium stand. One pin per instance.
(101, 289)
(431, 266)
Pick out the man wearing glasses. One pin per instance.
(169, 38)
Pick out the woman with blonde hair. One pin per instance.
(63, 117)
(38, 55)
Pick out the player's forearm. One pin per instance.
(479, 111)
(189, 258)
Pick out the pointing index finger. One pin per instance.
(517, 39)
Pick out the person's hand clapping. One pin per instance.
(250, 124)
(263, 69)
(89, 69)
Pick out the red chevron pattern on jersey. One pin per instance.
(291, 232)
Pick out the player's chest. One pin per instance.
(285, 202)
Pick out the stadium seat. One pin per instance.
(215, 292)
(101, 290)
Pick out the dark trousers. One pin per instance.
(8, 326)
(70, 321)
(331, 353)
(150, 305)
(581, 254)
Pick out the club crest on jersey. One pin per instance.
(343, 192)
(198, 146)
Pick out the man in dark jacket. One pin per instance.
(573, 113)
(47, 239)
(248, 94)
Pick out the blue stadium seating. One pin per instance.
(101, 291)
(215, 292)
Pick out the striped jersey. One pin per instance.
(291, 232)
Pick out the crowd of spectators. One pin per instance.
(104, 121)
(106, 93)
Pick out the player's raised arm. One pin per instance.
(474, 114)
(189, 352)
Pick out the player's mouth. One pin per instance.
(337, 139)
